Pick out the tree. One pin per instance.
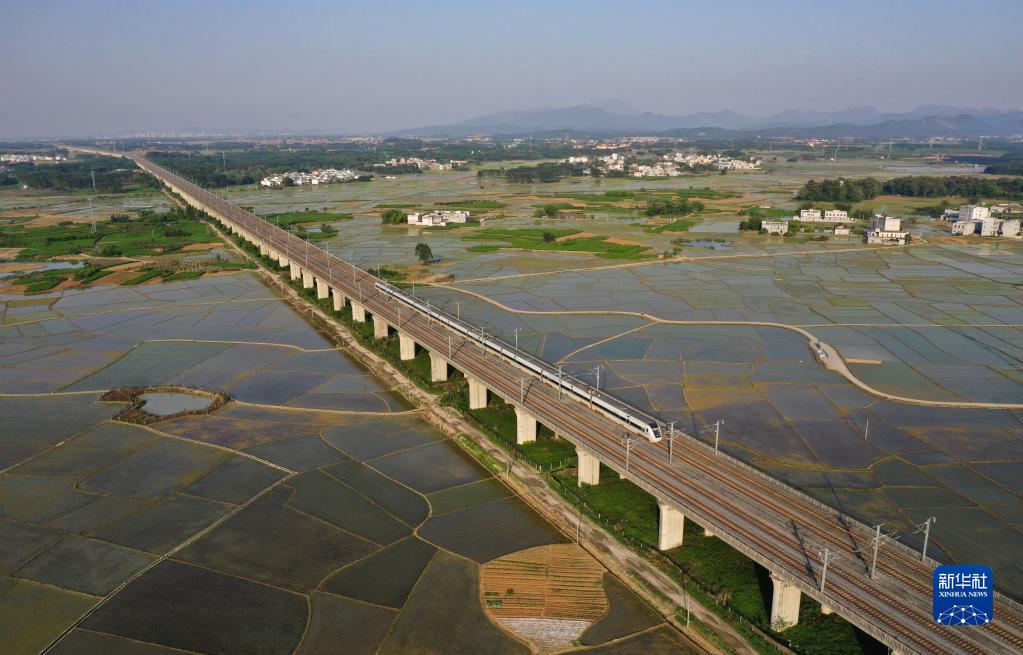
(424, 253)
(288, 182)
(548, 237)
(393, 216)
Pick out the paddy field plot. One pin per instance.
(285, 525)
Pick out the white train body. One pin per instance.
(628, 416)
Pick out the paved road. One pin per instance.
(776, 526)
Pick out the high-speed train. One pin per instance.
(629, 416)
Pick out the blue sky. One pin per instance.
(110, 67)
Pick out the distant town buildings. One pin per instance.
(780, 226)
(842, 230)
(809, 215)
(983, 221)
(23, 159)
(720, 162)
(886, 230)
(440, 219)
(298, 178)
(660, 169)
(422, 164)
(614, 162)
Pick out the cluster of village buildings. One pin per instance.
(672, 165)
(884, 230)
(23, 159)
(717, 161)
(438, 219)
(984, 221)
(422, 164)
(319, 176)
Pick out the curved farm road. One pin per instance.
(830, 357)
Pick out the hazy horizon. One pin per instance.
(110, 68)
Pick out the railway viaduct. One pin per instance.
(785, 531)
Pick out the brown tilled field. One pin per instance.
(558, 581)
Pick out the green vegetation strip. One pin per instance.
(553, 239)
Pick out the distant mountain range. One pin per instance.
(615, 117)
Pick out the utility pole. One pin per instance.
(925, 527)
(671, 440)
(826, 556)
(522, 390)
(458, 309)
(516, 331)
(429, 314)
(716, 426)
(879, 539)
(597, 372)
(628, 442)
(483, 348)
(449, 348)
(559, 382)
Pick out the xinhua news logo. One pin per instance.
(964, 594)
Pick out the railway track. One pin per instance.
(760, 517)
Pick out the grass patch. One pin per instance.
(553, 239)
(679, 225)
(284, 219)
(146, 274)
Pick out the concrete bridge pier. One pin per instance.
(477, 393)
(438, 368)
(671, 526)
(380, 328)
(406, 347)
(707, 532)
(588, 466)
(264, 250)
(525, 426)
(322, 289)
(339, 299)
(296, 271)
(283, 261)
(358, 312)
(307, 279)
(784, 603)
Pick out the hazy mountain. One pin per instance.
(615, 116)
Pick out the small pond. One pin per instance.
(166, 403)
(36, 267)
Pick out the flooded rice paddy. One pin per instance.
(934, 322)
(311, 513)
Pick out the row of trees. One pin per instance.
(917, 186)
(545, 172)
(672, 207)
(112, 175)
